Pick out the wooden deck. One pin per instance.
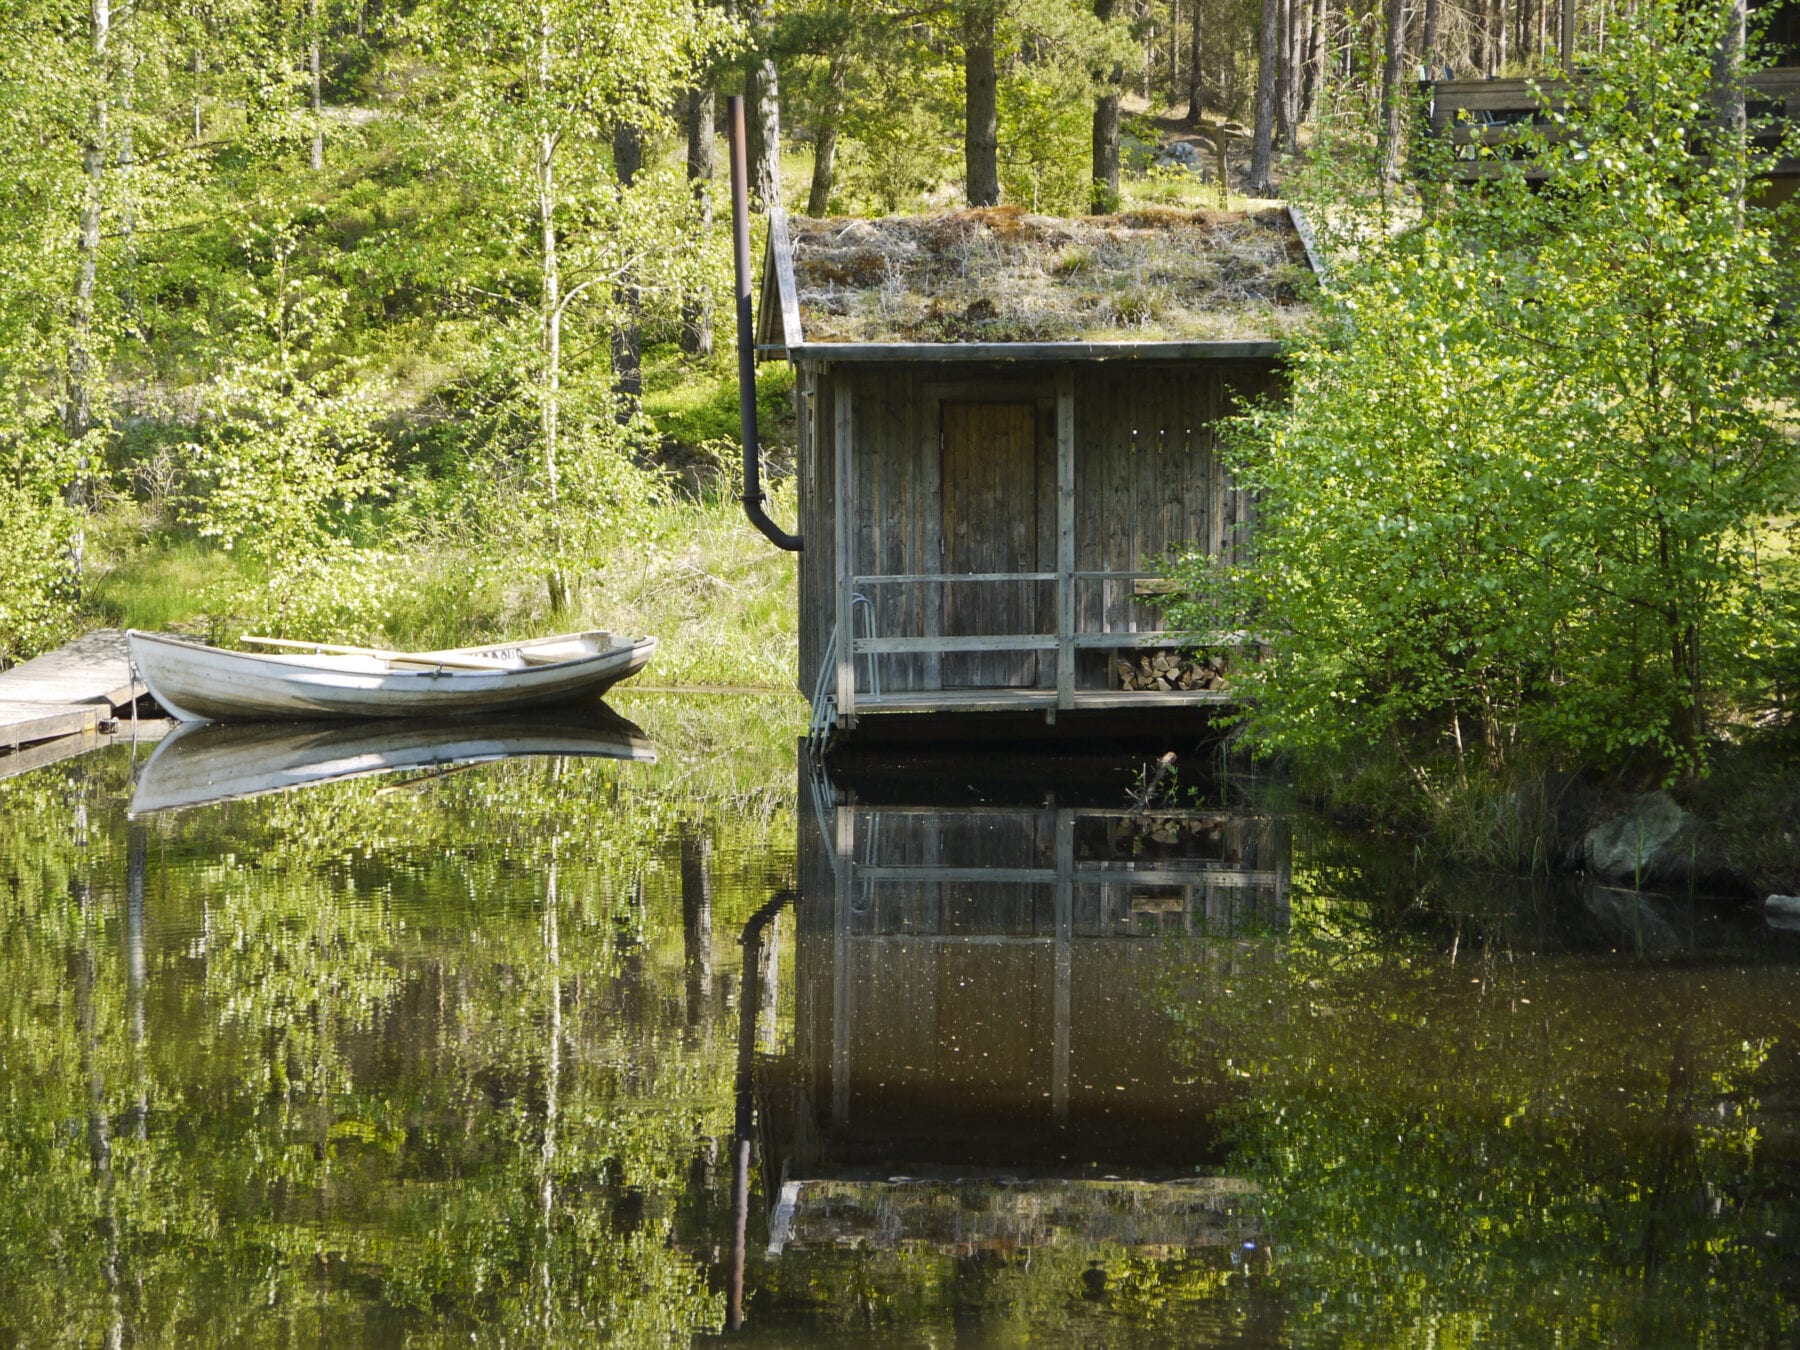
(68, 692)
(1030, 700)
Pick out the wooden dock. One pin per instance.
(71, 691)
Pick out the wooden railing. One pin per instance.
(1061, 635)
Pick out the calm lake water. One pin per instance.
(582, 1046)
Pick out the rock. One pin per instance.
(1787, 906)
(1626, 847)
(1180, 155)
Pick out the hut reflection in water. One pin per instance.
(979, 1058)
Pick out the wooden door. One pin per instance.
(990, 524)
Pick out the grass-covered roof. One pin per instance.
(1001, 274)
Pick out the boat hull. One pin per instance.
(197, 683)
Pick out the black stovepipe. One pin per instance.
(753, 496)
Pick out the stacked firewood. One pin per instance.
(1169, 671)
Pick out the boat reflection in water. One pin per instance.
(202, 762)
(981, 1057)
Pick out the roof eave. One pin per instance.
(1259, 349)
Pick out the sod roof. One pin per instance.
(1000, 274)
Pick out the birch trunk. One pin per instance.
(317, 157)
(550, 275)
(78, 406)
(627, 333)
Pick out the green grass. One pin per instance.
(717, 595)
(162, 583)
(695, 402)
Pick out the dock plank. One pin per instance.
(23, 722)
(92, 669)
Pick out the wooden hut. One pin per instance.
(1004, 421)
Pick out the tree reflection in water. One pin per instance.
(476, 1055)
(1476, 1115)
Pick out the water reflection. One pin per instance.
(974, 983)
(198, 763)
(984, 1088)
(566, 1050)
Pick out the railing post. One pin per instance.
(1065, 537)
(845, 559)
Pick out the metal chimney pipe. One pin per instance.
(753, 496)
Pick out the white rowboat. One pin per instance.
(197, 683)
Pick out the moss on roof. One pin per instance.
(999, 274)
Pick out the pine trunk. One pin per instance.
(1196, 64)
(981, 123)
(763, 95)
(1315, 59)
(1262, 150)
(1391, 75)
(825, 138)
(1103, 192)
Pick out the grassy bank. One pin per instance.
(1530, 813)
(716, 594)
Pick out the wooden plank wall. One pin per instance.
(814, 413)
(1147, 479)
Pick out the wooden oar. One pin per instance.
(452, 660)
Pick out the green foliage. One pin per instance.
(37, 581)
(1534, 458)
(289, 448)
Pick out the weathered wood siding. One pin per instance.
(1147, 479)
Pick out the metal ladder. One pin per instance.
(824, 701)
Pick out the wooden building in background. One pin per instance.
(1005, 421)
(1483, 118)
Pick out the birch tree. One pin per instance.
(534, 94)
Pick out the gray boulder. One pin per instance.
(1180, 155)
(1628, 846)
